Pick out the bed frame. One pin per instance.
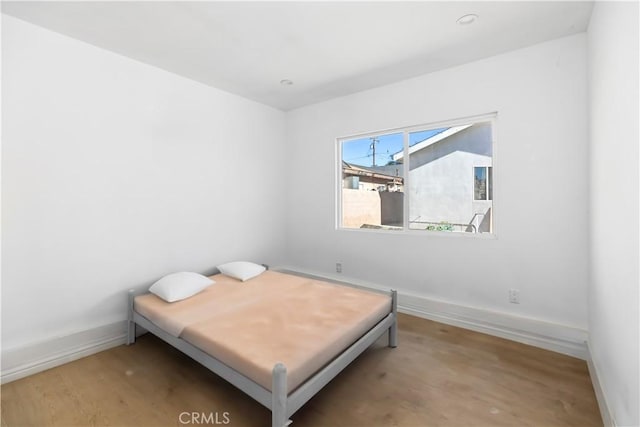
(282, 404)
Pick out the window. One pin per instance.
(423, 178)
(482, 183)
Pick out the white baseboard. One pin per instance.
(28, 360)
(605, 413)
(550, 336)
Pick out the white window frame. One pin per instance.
(489, 117)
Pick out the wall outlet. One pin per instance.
(338, 267)
(514, 296)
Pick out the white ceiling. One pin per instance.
(327, 49)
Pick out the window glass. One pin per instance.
(480, 183)
(372, 183)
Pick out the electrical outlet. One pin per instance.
(338, 267)
(514, 296)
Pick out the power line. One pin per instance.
(357, 158)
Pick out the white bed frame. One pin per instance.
(282, 404)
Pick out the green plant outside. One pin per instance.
(443, 226)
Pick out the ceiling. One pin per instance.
(328, 49)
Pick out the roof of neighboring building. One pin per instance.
(379, 172)
(430, 141)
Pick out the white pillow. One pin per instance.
(241, 270)
(178, 286)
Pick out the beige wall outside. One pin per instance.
(360, 207)
(371, 207)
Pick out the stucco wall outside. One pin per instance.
(360, 207)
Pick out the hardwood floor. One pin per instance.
(439, 375)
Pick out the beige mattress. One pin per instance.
(275, 317)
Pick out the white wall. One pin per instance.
(115, 173)
(613, 293)
(540, 186)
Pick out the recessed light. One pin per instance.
(467, 19)
(286, 82)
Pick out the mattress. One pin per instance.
(275, 317)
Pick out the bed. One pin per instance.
(278, 337)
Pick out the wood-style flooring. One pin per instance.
(439, 375)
